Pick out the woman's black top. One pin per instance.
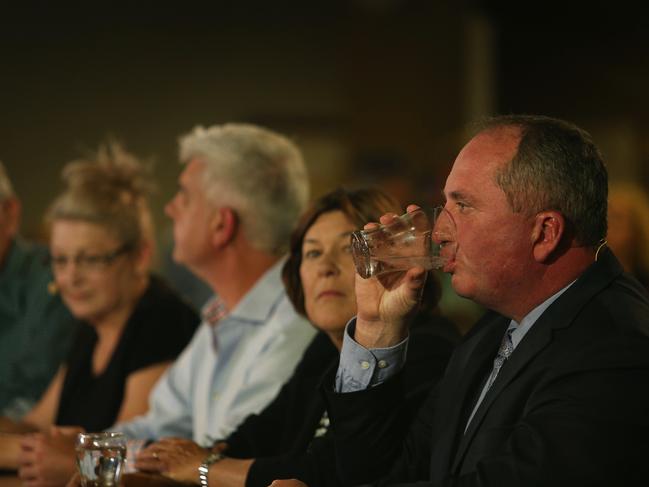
(157, 331)
(291, 439)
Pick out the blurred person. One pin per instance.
(240, 194)
(132, 326)
(550, 387)
(628, 228)
(32, 318)
(291, 438)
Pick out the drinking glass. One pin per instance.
(100, 458)
(424, 237)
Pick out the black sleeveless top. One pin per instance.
(157, 331)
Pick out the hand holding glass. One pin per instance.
(423, 237)
(100, 458)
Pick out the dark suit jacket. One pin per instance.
(570, 406)
(281, 437)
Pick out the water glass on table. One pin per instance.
(100, 458)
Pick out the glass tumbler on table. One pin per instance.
(100, 458)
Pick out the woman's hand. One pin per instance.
(175, 458)
(48, 459)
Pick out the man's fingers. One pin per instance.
(387, 218)
(148, 456)
(416, 277)
(153, 465)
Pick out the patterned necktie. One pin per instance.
(505, 350)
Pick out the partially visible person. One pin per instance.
(628, 228)
(132, 326)
(291, 437)
(240, 194)
(36, 329)
(550, 387)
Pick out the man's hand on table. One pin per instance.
(175, 458)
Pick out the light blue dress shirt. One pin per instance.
(229, 371)
(519, 330)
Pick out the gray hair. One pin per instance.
(6, 189)
(556, 167)
(109, 188)
(258, 173)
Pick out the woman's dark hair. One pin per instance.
(360, 206)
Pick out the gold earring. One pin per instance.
(52, 288)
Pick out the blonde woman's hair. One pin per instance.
(109, 188)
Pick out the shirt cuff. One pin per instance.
(361, 368)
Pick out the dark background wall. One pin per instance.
(364, 86)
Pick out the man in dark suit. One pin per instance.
(551, 387)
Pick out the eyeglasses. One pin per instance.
(87, 262)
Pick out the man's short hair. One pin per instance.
(258, 173)
(556, 167)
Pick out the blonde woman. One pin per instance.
(132, 324)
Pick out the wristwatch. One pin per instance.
(203, 470)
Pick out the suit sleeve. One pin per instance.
(371, 430)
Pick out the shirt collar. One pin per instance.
(214, 310)
(520, 329)
(260, 301)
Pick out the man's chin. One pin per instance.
(460, 287)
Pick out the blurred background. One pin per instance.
(374, 91)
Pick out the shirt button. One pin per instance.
(365, 365)
(382, 364)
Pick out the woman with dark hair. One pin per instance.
(290, 438)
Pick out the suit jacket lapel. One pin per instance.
(559, 315)
(476, 356)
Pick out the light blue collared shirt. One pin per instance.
(361, 368)
(228, 371)
(519, 330)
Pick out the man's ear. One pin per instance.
(549, 228)
(223, 226)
